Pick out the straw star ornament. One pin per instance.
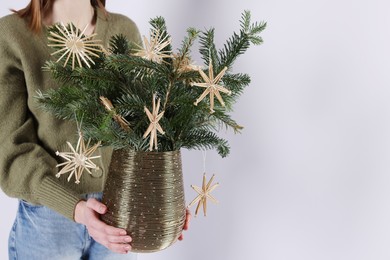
(71, 43)
(154, 49)
(212, 87)
(154, 126)
(204, 194)
(78, 160)
(123, 123)
(184, 64)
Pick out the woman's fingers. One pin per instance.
(96, 206)
(186, 223)
(119, 248)
(119, 239)
(115, 239)
(188, 219)
(110, 230)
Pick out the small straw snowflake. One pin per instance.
(154, 126)
(204, 193)
(212, 87)
(154, 49)
(78, 160)
(72, 43)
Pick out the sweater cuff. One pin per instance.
(53, 195)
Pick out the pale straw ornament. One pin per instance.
(123, 123)
(78, 160)
(154, 49)
(74, 45)
(204, 194)
(154, 126)
(212, 87)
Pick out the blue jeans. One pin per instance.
(40, 233)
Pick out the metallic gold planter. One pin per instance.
(144, 194)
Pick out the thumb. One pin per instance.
(96, 205)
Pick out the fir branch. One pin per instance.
(189, 76)
(236, 83)
(61, 103)
(119, 45)
(159, 25)
(221, 119)
(208, 50)
(58, 72)
(245, 21)
(252, 30)
(188, 41)
(128, 64)
(131, 107)
(238, 43)
(97, 80)
(202, 139)
(185, 50)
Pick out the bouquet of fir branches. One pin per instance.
(149, 97)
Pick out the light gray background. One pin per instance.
(309, 177)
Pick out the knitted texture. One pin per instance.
(29, 137)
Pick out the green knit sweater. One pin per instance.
(29, 137)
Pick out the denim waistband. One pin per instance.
(96, 195)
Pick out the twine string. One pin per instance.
(204, 154)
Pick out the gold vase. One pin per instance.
(144, 194)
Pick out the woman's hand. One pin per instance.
(187, 222)
(88, 213)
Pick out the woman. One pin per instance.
(56, 219)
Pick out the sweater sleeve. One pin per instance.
(26, 169)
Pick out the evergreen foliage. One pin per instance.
(129, 82)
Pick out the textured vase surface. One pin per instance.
(144, 194)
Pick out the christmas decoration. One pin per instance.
(204, 194)
(154, 49)
(74, 44)
(154, 117)
(212, 87)
(118, 118)
(184, 64)
(78, 160)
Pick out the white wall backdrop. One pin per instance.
(309, 176)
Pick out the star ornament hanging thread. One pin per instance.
(212, 87)
(74, 45)
(204, 194)
(78, 160)
(154, 49)
(154, 118)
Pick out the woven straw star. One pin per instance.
(154, 126)
(212, 87)
(74, 45)
(204, 194)
(124, 124)
(78, 160)
(184, 64)
(154, 49)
